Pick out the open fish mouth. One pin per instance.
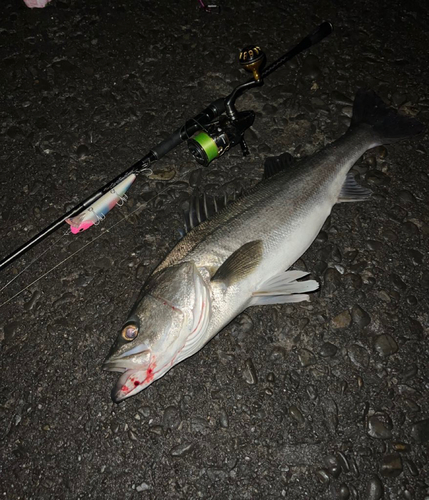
(137, 368)
(131, 382)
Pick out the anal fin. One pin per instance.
(351, 191)
(283, 288)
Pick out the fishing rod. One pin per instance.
(218, 128)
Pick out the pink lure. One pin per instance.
(98, 210)
(36, 4)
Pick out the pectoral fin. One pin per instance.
(283, 288)
(240, 263)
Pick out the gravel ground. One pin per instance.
(321, 400)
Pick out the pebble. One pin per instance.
(407, 197)
(142, 487)
(341, 99)
(360, 317)
(344, 492)
(374, 489)
(323, 477)
(358, 355)
(333, 465)
(330, 411)
(328, 350)
(379, 429)
(391, 465)
(415, 330)
(199, 424)
(344, 463)
(398, 283)
(420, 431)
(82, 151)
(409, 229)
(249, 372)
(353, 281)
(171, 418)
(311, 391)
(306, 357)
(332, 280)
(385, 345)
(416, 256)
(296, 414)
(182, 449)
(195, 177)
(223, 419)
(411, 467)
(342, 320)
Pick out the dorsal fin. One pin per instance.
(203, 207)
(275, 164)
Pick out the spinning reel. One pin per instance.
(228, 131)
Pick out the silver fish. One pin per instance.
(238, 258)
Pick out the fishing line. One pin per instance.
(36, 259)
(104, 231)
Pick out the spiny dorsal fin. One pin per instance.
(240, 263)
(275, 164)
(351, 191)
(203, 207)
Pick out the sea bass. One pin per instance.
(240, 257)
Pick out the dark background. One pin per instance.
(322, 400)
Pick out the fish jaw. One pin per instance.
(132, 381)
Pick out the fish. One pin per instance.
(241, 255)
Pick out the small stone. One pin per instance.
(223, 419)
(391, 465)
(182, 449)
(323, 477)
(358, 355)
(344, 492)
(409, 229)
(407, 197)
(360, 317)
(311, 391)
(378, 429)
(342, 320)
(328, 350)
(385, 345)
(420, 431)
(171, 418)
(82, 151)
(332, 280)
(296, 414)
(416, 256)
(249, 373)
(143, 487)
(374, 489)
(411, 467)
(306, 357)
(398, 283)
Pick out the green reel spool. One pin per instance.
(205, 148)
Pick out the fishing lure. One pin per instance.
(98, 210)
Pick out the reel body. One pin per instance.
(221, 136)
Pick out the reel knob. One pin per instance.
(252, 59)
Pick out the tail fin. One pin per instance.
(389, 126)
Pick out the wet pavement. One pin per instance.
(320, 400)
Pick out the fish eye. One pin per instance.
(130, 332)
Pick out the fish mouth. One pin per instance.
(131, 382)
(137, 372)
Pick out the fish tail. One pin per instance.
(386, 123)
